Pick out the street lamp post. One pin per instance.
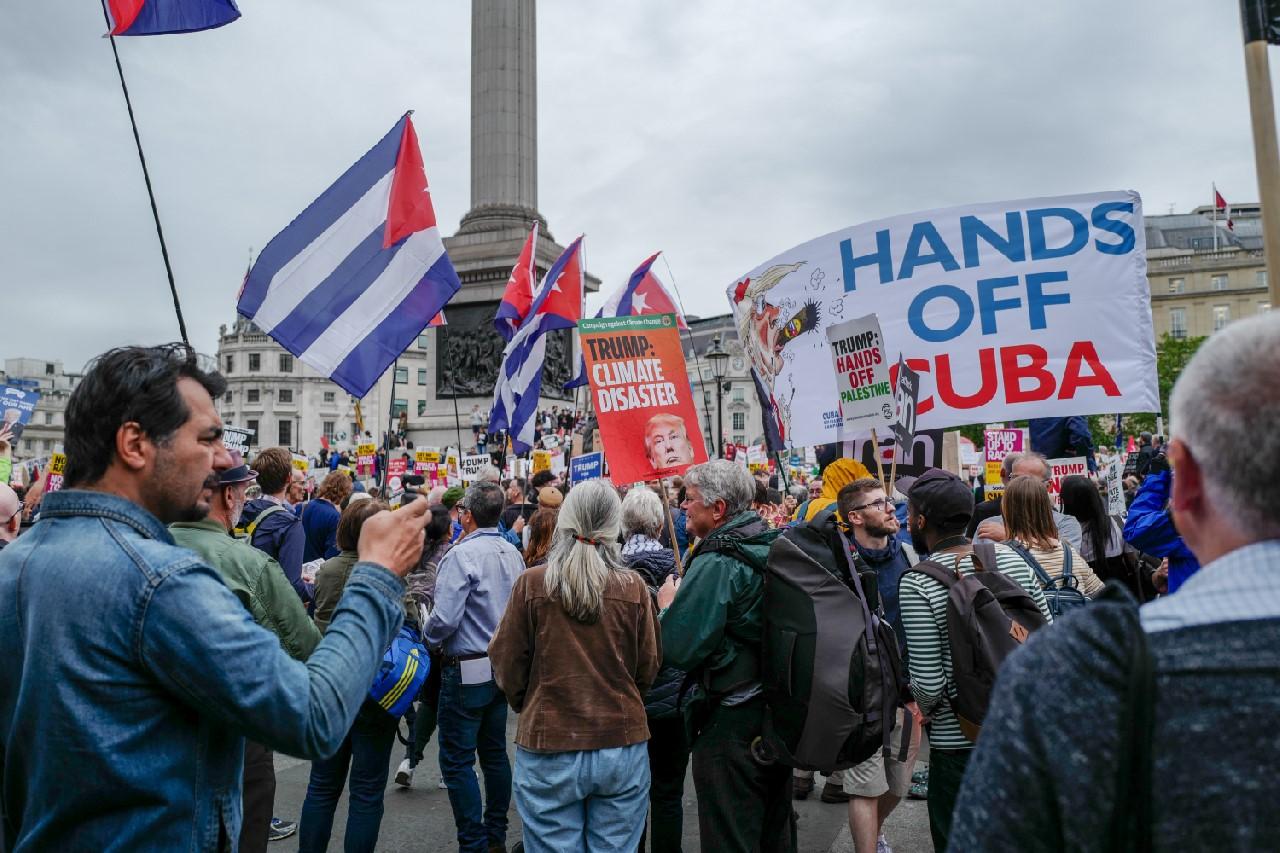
(719, 361)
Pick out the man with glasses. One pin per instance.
(472, 588)
(10, 515)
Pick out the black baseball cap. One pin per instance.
(237, 473)
(941, 497)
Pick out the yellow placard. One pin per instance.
(541, 460)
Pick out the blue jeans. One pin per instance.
(367, 753)
(473, 718)
(588, 800)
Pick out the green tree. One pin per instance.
(1172, 355)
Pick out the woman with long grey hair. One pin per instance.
(576, 649)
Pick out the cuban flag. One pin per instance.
(163, 17)
(351, 282)
(644, 293)
(557, 306)
(518, 297)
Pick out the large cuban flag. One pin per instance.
(644, 293)
(360, 273)
(557, 306)
(518, 297)
(162, 17)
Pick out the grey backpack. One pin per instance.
(989, 614)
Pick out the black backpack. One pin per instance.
(988, 616)
(831, 669)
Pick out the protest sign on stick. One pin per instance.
(642, 396)
(57, 468)
(906, 393)
(236, 438)
(588, 466)
(470, 466)
(997, 444)
(865, 396)
(995, 306)
(1066, 467)
(365, 454)
(1111, 473)
(16, 407)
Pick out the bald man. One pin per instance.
(10, 515)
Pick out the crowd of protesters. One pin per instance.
(235, 615)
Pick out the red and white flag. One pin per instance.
(1220, 204)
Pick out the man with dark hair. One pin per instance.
(148, 693)
(1154, 728)
(939, 506)
(540, 481)
(269, 524)
(257, 581)
(472, 588)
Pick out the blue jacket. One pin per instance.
(1059, 437)
(280, 535)
(319, 531)
(1149, 528)
(131, 667)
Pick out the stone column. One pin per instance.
(504, 115)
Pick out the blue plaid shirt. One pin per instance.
(1236, 587)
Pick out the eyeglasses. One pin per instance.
(17, 512)
(885, 504)
(463, 508)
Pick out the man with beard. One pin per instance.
(259, 582)
(939, 507)
(666, 442)
(147, 670)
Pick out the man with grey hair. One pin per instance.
(1185, 690)
(712, 628)
(987, 523)
(472, 588)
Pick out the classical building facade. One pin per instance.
(1200, 281)
(43, 434)
(741, 413)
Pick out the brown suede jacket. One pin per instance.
(577, 686)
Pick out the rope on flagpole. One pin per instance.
(697, 359)
(146, 177)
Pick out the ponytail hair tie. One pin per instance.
(586, 540)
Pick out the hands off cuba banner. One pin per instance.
(1010, 310)
(642, 396)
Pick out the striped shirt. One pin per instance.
(924, 617)
(1051, 561)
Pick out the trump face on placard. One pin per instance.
(666, 442)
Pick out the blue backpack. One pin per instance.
(405, 667)
(1062, 594)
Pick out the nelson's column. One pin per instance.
(504, 205)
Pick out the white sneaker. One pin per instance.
(882, 846)
(404, 774)
(441, 785)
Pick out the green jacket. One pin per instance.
(331, 581)
(256, 579)
(716, 617)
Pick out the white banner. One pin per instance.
(1010, 310)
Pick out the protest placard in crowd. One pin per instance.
(588, 466)
(541, 460)
(997, 444)
(301, 462)
(365, 454)
(470, 465)
(865, 395)
(994, 305)
(906, 395)
(53, 475)
(641, 390)
(1111, 475)
(16, 406)
(236, 438)
(1066, 467)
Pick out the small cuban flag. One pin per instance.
(352, 281)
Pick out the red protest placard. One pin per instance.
(642, 396)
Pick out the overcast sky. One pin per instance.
(719, 132)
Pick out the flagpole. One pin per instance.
(391, 410)
(697, 359)
(146, 177)
(1255, 19)
(1215, 216)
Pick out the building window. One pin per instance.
(422, 341)
(1178, 322)
(739, 439)
(285, 433)
(226, 398)
(285, 395)
(739, 396)
(400, 406)
(1218, 282)
(48, 417)
(251, 396)
(26, 444)
(286, 363)
(252, 427)
(402, 375)
(422, 408)
(327, 429)
(44, 445)
(1177, 285)
(1221, 316)
(255, 362)
(230, 363)
(355, 431)
(739, 420)
(48, 370)
(422, 376)
(1261, 276)
(328, 396)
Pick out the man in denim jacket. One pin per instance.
(132, 673)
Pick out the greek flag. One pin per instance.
(352, 281)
